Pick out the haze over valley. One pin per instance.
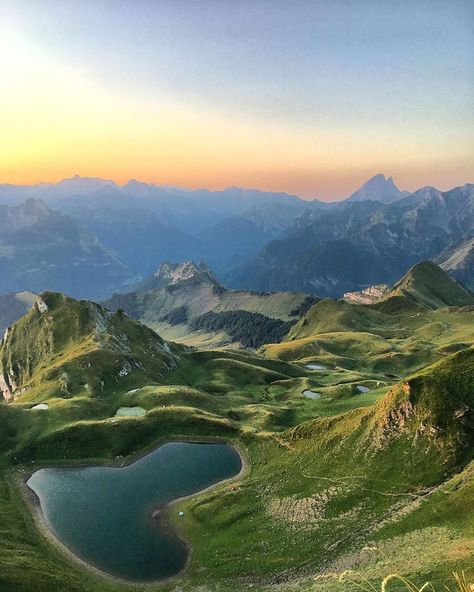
(236, 296)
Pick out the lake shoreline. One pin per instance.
(22, 474)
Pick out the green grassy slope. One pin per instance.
(322, 491)
(172, 309)
(66, 348)
(425, 316)
(317, 495)
(390, 468)
(428, 285)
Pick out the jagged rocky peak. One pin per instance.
(368, 295)
(377, 188)
(173, 273)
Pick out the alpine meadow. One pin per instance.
(237, 356)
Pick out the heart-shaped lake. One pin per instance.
(104, 515)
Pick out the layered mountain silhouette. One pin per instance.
(364, 243)
(41, 248)
(112, 236)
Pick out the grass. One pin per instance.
(154, 308)
(391, 468)
(461, 584)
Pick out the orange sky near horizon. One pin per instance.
(59, 118)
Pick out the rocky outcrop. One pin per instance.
(368, 295)
(173, 273)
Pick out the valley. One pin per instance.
(117, 236)
(236, 296)
(373, 475)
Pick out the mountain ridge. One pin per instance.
(86, 347)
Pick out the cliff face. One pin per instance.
(435, 406)
(16, 370)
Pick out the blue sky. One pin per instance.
(348, 86)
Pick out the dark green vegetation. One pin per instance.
(330, 480)
(185, 303)
(251, 329)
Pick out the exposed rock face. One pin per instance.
(41, 305)
(5, 387)
(172, 273)
(368, 295)
(169, 275)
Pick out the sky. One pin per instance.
(309, 97)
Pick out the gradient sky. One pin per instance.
(310, 97)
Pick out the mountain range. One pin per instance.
(44, 249)
(363, 243)
(114, 236)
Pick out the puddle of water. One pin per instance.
(311, 395)
(130, 412)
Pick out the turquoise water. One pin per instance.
(104, 514)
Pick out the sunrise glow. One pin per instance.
(79, 98)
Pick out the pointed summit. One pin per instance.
(378, 188)
(428, 285)
(171, 274)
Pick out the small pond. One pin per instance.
(130, 412)
(311, 395)
(104, 515)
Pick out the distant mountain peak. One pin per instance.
(82, 185)
(377, 188)
(173, 273)
(23, 215)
